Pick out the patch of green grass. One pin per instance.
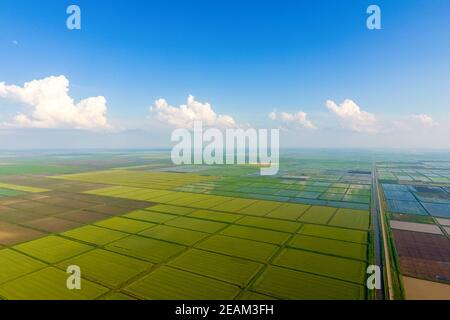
(318, 214)
(52, 249)
(144, 248)
(289, 211)
(173, 234)
(165, 208)
(328, 246)
(49, 284)
(260, 208)
(166, 283)
(125, 225)
(334, 233)
(20, 169)
(242, 248)
(230, 269)
(289, 284)
(14, 264)
(340, 268)
(212, 201)
(256, 234)
(94, 235)
(267, 223)
(150, 216)
(234, 205)
(349, 218)
(196, 224)
(215, 215)
(106, 267)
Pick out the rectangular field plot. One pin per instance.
(334, 267)
(437, 209)
(356, 199)
(334, 247)
(82, 216)
(267, 223)
(260, 208)
(289, 284)
(11, 234)
(423, 255)
(410, 207)
(125, 225)
(318, 214)
(49, 284)
(288, 211)
(108, 268)
(166, 283)
(144, 248)
(234, 205)
(229, 269)
(150, 216)
(52, 249)
(215, 215)
(211, 201)
(334, 233)
(196, 224)
(262, 235)
(164, 208)
(173, 234)
(331, 196)
(14, 265)
(418, 227)
(348, 218)
(399, 195)
(242, 248)
(94, 235)
(52, 224)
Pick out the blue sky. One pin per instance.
(246, 58)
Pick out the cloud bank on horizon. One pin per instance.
(50, 106)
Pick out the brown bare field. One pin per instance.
(82, 216)
(53, 184)
(444, 222)
(418, 289)
(17, 216)
(12, 234)
(52, 224)
(423, 255)
(48, 210)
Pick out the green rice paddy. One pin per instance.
(152, 232)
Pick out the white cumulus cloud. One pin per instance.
(185, 115)
(353, 117)
(52, 107)
(424, 120)
(299, 118)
